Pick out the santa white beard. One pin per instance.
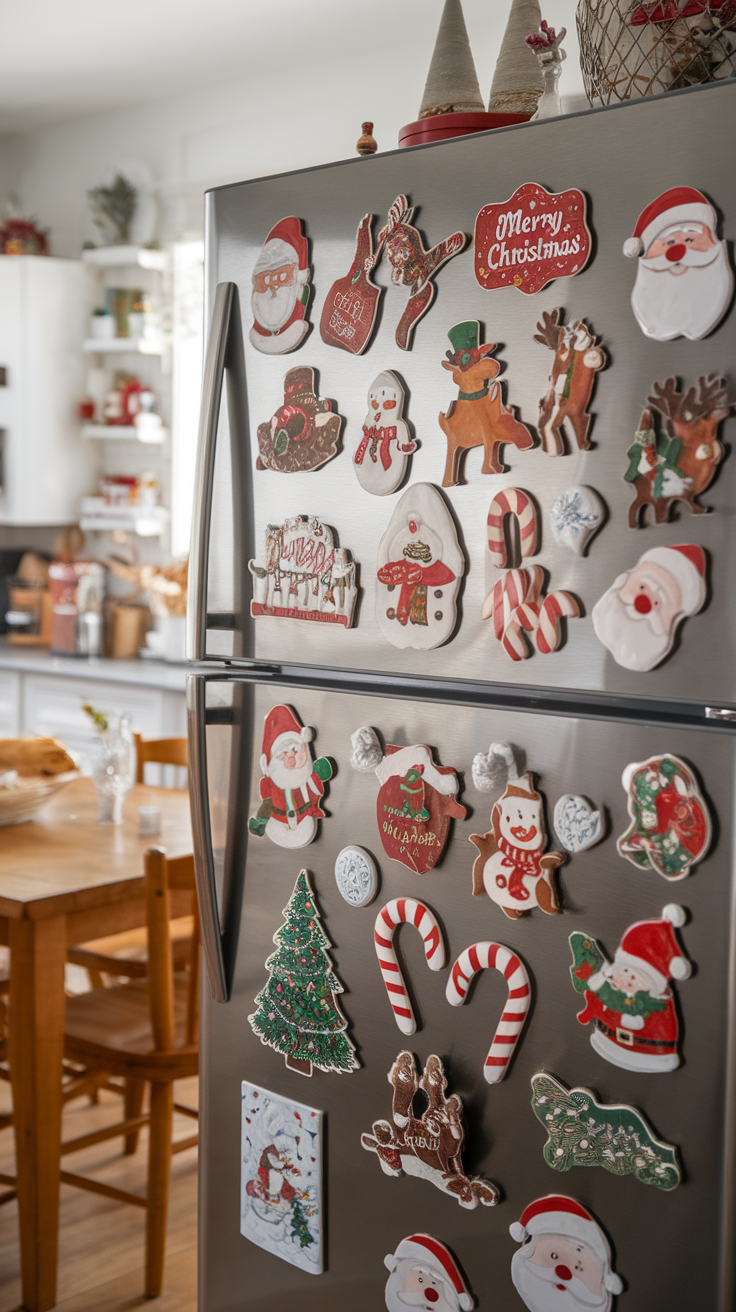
(538, 1286)
(273, 309)
(397, 1300)
(687, 304)
(630, 638)
(289, 780)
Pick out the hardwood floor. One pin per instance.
(101, 1242)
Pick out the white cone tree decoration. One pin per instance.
(452, 82)
(517, 80)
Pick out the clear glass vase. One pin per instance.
(113, 768)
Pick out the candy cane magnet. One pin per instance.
(494, 956)
(405, 910)
(512, 501)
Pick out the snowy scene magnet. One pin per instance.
(281, 1177)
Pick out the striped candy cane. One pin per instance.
(494, 956)
(513, 588)
(511, 502)
(405, 910)
(549, 632)
(525, 617)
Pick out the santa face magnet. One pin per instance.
(424, 1275)
(670, 826)
(638, 617)
(420, 569)
(280, 290)
(385, 445)
(292, 785)
(564, 1262)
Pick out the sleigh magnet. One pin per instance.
(638, 617)
(530, 239)
(386, 443)
(297, 1011)
(303, 433)
(678, 460)
(412, 266)
(564, 1261)
(429, 1145)
(281, 1204)
(629, 1001)
(577, 360)
(305, 576)
(425, 1275)
(293, 785)
(420, 569)
(478, 417)
(670, 828)
(349, 311)
(280, 290)
(512, 866)
(684, 279)
(584, 1132)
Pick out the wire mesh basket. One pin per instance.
(630, 49)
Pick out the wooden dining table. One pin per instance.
(64, 879)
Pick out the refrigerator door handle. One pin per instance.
(214, 370)
(204, 861)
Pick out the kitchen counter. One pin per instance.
(145, 673)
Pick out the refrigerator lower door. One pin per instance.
(672, 1249)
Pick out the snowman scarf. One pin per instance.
(522, 863)
(414, 581)
(380, 438)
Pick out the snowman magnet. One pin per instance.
(512, 866)
(382, 453)
(420, 569)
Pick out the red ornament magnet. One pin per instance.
(303, 433)
(386, 443)
(416, 801)
(564, 1263)
(532, 238)
(349, 311)
(420, 569)
(577, 360)
(629, 1001)
(425, 1275)
(280, 290)
(292, 785)
(479, 416)
(512, 866)
(305, 577)
(638, 617)
(429, 1145)
(412, 266)
(670, 828)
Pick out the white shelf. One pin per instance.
(121, 433)
(111, 257)
(145, 521)
(135, 345)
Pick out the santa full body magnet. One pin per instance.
(638, 617)
(512, 866)
(386, 443)
(424, 1275)
(670, 824)
(564, 1263)
(292, 785)
(281, 290)
(629, 1001)
(420, 568)
(684, 279)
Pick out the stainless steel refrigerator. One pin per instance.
(574, 716)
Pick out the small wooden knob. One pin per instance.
(366, 145)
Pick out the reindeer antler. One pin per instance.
(712, 394)
(666, 398)
(549, 330)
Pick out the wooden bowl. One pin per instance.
(30, 792)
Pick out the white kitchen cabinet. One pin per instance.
(45, 465)
(10, 722)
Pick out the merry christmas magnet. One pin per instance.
(293, 785)
(670, 826)
(425, 1275)
(577, 359)
(427, 1143)
(530, 239)
(412, 266)
(584, 1132)
(638, 617)
(383, 451)
(349, 311)
(303, 433)
(512, 866)
(629, 1001)
(305, 576)
(297, 1011)
(684, 279)
(280, 290)
(478, 416)
(564, 1262)
(677, 461)
(420, 569)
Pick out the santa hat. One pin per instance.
(651, 946)
(285, 244)
(430, 1252)
(686, 563)
(281, 727)
(673, 207)
(558, 1215)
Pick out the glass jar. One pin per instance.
(113, 768)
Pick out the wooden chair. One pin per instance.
(159, 751)
(144, 1031)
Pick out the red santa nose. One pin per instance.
(676, 253)
(563, 1272)
(642, 604)
(431, 1295)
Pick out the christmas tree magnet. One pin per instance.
(577, 360)
(584, 1132)
(564, 1261)
(304, 431)
(429, 1145)
(670, 826)
(356, 876)
(629, 1001)
(684, 278)
(297, 1009)
(349, 311)
(425, 1275)
(281, 290)
(412, 265)
(575, 517)
(478, 417)
(293, 785)
(382, 453)
(531, 238)
(678, 463)
(305, 577)
(417, 799)
(638, 617)
(577, 825)
(420, 569)
(512, 866)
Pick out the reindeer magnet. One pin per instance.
(383, 451)
(430, 1145)
(412, 266)
(420, 569)
(512, 866)
(577, 361)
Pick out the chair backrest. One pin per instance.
(159, 751)
(161, 875)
